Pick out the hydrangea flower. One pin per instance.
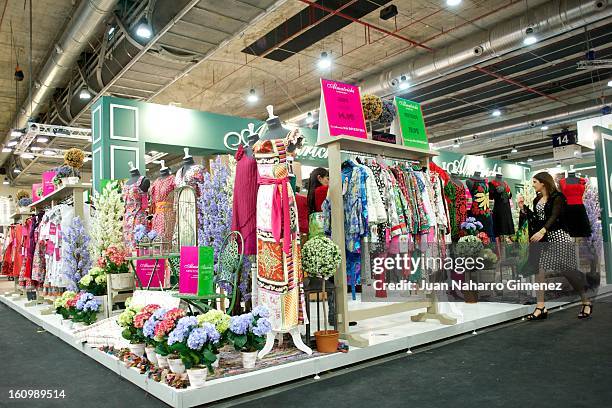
(241, 324)
(196, 339)
(148, 329)
(212, 334)
(261, 311)
(83, 299)
(263, 327)
(220, 320)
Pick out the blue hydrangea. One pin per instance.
(182, 329)
(91, 305)
(263, 327)
(212, 334)
(241, 324)
(83, 299)
(159, 313)
(261, 311)
(197, 338)
(148, 329)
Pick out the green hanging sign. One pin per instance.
(412, 125)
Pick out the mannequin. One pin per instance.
(162, 203)
(499, 192)
(191, 175)
(576, 217)
(572, 178)
(278, 239)
(135, 175)
(480, 208)
(135, 198)
(252, 138)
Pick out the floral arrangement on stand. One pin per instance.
(94, 281)
(247, 333)
(21, 194)
(215, 209)
(114, 260)
(74, 158)
(388, 113)
(321, 258)
(24, 202)
(470, 227)
(145, 239)
(107, 227)
(76, 253)
(61, 173)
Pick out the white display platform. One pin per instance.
(387, 335)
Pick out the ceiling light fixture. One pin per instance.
(12, 143)
(404, 84)
(35, 148)
(496, 113)
(153, 152)
(17, 133)
(6, 150)
(111, 30)
(453, 3)
(610, 84)
(5, 182)
(309, 118)
(456, 143)
(530, 37)
(514, 150)
(252, 97)
(27, 156)
(42, 139)
(529, 160)
(49, 153)
(324, 61)
(16, 170)
(544, 127)
(85, 94)
(144, 29)
(86, 159)
(558, 164)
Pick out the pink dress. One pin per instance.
(162, 201)
(244, 207)
(135, 204)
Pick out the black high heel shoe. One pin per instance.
(583, 314)
(543, 314)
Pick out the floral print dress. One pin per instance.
(279, 267)
(480, 208)
(162, 202)
(135, 205)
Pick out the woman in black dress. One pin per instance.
(554, 247)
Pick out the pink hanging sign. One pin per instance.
(47, 181)
(146, 267)
(188, 273)
(341, 111)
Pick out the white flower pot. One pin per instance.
(249, 359)
(137, 349)
(216, 363)
(197, 377)
(67, 323)
(102, 310)
(176, 365)
(151, 355)
(68, 181)
(162, 361)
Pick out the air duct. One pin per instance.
(549, 19)
(74, 40)
(525, 122)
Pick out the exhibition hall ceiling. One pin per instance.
(209, 54)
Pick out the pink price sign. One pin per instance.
(342, 104)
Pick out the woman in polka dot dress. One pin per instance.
(554, 247)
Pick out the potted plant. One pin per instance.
(63, 309)
(158, 327)
(221, 321)
(22, 194)
(321, 258)
(247, 332)
(23, 204)
(74, 159)
(130, 332)
(469, 246)
(61, 173)
(95, 283)
(86, 309)
(197, 345)
(140, 319)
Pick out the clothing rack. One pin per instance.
(365, 147)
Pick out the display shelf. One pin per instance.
(378, 148)
(17, 215)
(56, 196)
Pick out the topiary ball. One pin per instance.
(372, 106)
(74, 158)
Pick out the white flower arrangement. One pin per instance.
(320, 257)
(107, 228)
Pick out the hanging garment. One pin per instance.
(18, 254)
(162, 202)
(25, 272)
(354, 199)
(279, 267)
(7, 259)
(576, 218)
(136, 202)
(244, 206)
(480, 209)
(502, 213)
(457, 207)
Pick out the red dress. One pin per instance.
(575, 216)
(302, 208)
(244, 207)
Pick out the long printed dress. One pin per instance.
(480, 208)
(279, 267)
(136, 201)
(162, 202)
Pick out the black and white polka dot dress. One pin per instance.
(558, 252)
